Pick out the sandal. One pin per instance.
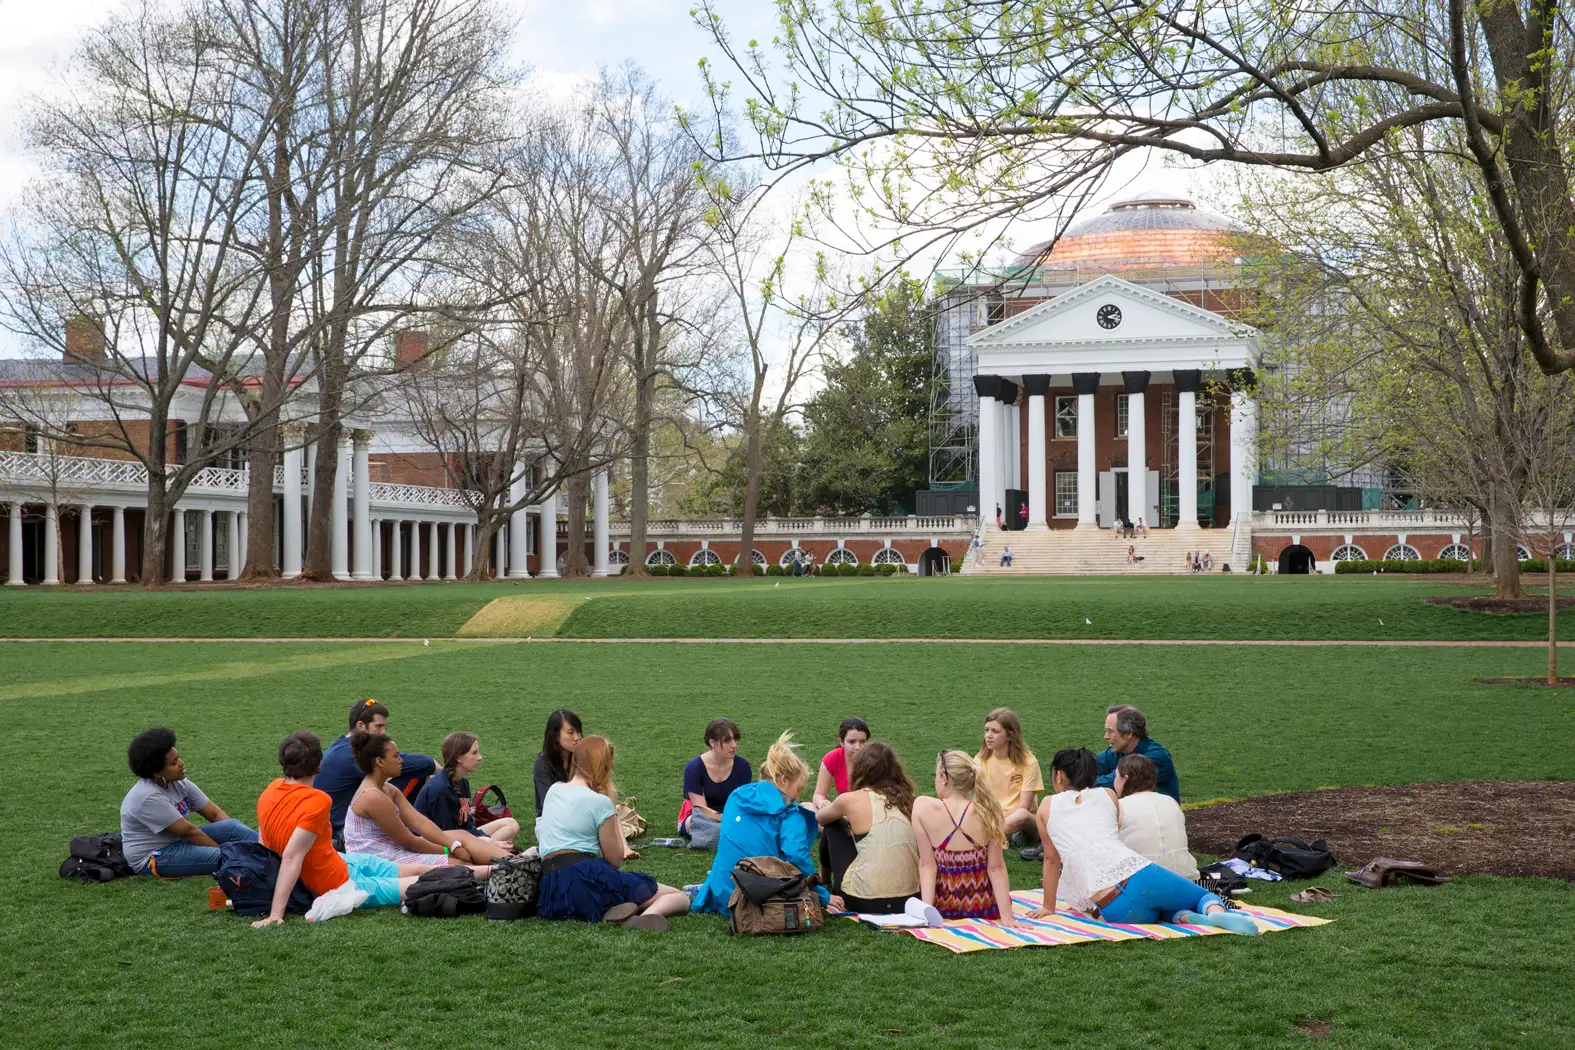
(1313, 895)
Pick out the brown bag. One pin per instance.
(1388, 871)
(632, 823)
(772, 896)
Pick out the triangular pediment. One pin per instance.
(1109, 311)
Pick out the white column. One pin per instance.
(117, 546)
(242, 541)
(362, 479)
(415, 551)
(1087, 473)
(339, 532)
(500, 540)
(51, 546)
(311, 475)
(396, 541)
(601, 530)
(236, 561)
(85, 545)
(1038, 450)
(519, 532)
(1187, 458)
(178, 546)
(991, 491)
(1137, 459)
(377, 548)
(470, 548)
(434, 554)
(205, 545)
(1243, 451)
(451, 551)
(548, 554)
(14, 553)
(290, 523)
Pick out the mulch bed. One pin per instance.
(1477, 827)
(1486, 603)
(1562, 683)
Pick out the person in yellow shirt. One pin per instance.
(1009, 770)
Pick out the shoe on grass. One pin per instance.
(621, 912)
(1033, 853)
(649, 923)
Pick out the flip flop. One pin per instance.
(1313, 895)
(621, 912)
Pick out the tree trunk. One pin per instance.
(1553, 606)
(487, 525)
(319, 527)
(754, 464)
(259, 500)
(640, 475)
(1503, 526)
(574, 565)
(155, 535)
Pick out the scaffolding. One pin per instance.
(954, 405)
(1169, 463)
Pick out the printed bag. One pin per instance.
(772, 896)
(514, 885)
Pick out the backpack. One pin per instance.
(1291, 857)
(772, 896)
(1222, 882)
(513, 887)
(445, 892)
(247, 873)
(96, 858)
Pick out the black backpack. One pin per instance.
(1291, 857)
(1222, 882)
(444, 893)
(96, 858)
(247, 874)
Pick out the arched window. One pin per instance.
(888, 556)
(1566, 551)
(1402, 552)
(754, 556)
(1521, 553)
(617, 558)
(1455, 552)
(1349, 552)
(842, 556)
(661, 558)
(705, 557)
(788, 556)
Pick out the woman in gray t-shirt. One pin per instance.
(156, 833)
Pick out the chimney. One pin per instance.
(84, 341)
(410, 347)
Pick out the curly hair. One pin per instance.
(148, 751)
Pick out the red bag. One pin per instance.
(486, 814)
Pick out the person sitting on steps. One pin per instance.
(1087, 865)
(1006, 556)
(962, 870)
(874, 858)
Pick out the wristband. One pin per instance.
(445, 851)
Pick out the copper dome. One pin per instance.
(1143, 233)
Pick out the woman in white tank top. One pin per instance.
(1089, 867)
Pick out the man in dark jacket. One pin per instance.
(1126, 731)
(340, 776)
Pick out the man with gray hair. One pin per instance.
(1126, 731)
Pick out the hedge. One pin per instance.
(1421, 565)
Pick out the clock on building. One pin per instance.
(1109, 315)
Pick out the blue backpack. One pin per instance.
(247, 874)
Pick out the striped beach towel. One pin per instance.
(974, 935)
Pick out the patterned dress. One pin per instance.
(962, 877)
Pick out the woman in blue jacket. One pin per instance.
(765, 819)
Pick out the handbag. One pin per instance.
(485, 814)
(514, 886)
(772, 896)
(632, 823)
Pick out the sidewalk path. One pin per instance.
(1434, 644)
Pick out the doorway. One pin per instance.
(1296, 560)
(1118, 477)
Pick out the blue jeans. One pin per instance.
(181, 859)
(1156, 894)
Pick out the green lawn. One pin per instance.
(1240, 607)
(1479, 963)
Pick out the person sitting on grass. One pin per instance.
(1126, 733)
(1152, 824)
(1087, 864)
(292, 820)
(583, 851)
(382, 822)
(852, 734)
(708, 781)
(962, 870)
(765, 819)
(156, 833)
(445, 798)
(556, 757)
(868, 833)
(1009, 770)
(341, 777)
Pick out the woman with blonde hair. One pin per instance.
(583, 850)
(765, 819)
(960, 833)
(1009, 771)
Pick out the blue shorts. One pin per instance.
(377, 877)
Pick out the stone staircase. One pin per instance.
(1097, 552)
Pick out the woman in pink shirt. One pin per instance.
(852, 735)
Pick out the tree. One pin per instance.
(950, 116)
(866, 445)
(127, 260)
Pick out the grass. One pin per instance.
(1478, 963)
(1240, 608)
